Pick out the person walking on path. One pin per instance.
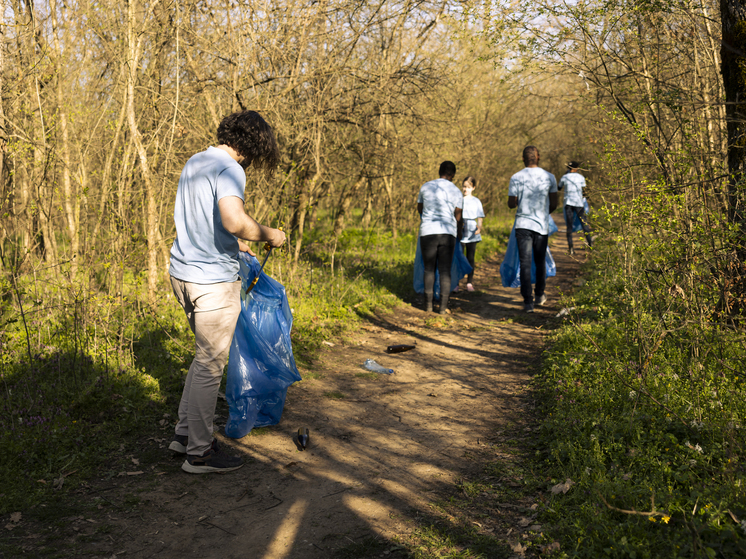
(533, 191)
(439, 204)
(573, 184)
(210, 219)
(471, 219)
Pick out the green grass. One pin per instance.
(649, 426)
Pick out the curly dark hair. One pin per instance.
(252, 138)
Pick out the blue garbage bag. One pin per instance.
(261, 365)
(576, 225)
(459, 268)
(510, 269)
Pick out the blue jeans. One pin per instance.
(532, 242)
(570, 213)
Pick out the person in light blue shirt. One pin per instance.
(472, 215)
(533, 192)
(210, 221)
(439, 204)
(573, 184)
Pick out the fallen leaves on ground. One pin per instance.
(563, 487)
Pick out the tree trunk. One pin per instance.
(733, 68)
(71, 202)
(151, 212)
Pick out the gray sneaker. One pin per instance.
(541, 300)
(211, 462)
(529, 307)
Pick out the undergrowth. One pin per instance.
(644, 405)
(88, 372)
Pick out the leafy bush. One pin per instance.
(645, 413)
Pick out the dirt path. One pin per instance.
(382, 449)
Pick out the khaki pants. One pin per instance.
(212, 311)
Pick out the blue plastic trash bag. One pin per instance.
(261, 365)
(459, 268)
(576, 225)
(510, 269)
(552, 226)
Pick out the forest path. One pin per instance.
(383, 448)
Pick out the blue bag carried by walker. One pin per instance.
(459, 268)
(261, 365)
(510, 269)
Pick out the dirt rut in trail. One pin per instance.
(382, 447)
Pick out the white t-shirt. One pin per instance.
(532, 186)
(471, 211)
(573, 183)
(439, 199)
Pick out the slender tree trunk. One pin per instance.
(70, 198)
(151, 213)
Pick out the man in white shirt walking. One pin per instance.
(573, 184)
(439, 204)
(533, 191)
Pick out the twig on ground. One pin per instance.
(216, 526)
(653, 512)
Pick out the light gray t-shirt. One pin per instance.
(204, 251)
(532, 186)
(439, 199)
(573, 184)
(471, 211)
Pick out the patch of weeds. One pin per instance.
(368, 547)
(470, 489)
(369, 376)
(437, 322)
(455, 541)
(131, 500)
(310, 375)
(260, 431)
(334, 395)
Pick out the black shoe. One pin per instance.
(180, 442)
(211, 462)
(528, 307)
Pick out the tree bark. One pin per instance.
(151, 213)
(71, 201)
(733, 68)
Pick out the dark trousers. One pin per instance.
(438, 250)
(532, 242)
(570, 213)
(470, 250)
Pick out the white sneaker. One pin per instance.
(541, 300)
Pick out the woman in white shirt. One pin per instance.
(471, 225)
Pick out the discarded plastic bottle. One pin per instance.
(371, 365)
(398, 348)
(303, 436)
